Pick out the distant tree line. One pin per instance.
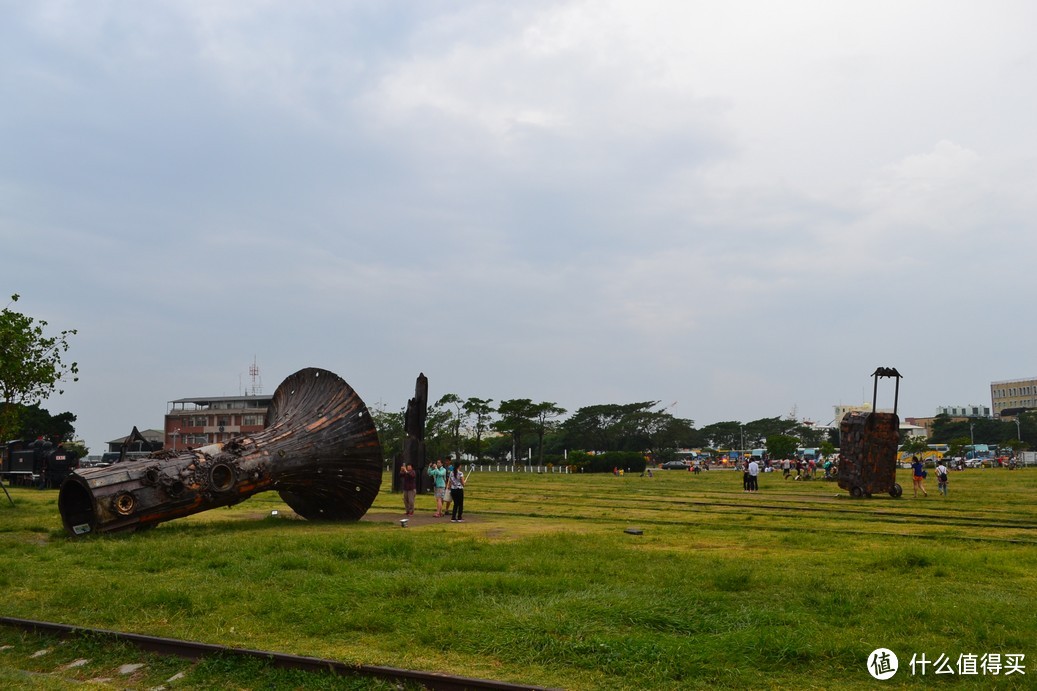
(522, 431)
(1005, 434)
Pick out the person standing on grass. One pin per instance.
(786, 468)
(438, 474)
(457, 483)
(754, 475)
(448, 494)
(918, 475)
(941, 477)
(409, 481)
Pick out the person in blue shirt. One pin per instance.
(437, 472)
(918, 475)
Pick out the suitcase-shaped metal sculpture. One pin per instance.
(868, 445)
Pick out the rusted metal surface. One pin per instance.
(868, 447)
(195, 651)
(319, 451)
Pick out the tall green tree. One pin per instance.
(611, 427)
(723, 435)
(34, 422)
(757, 431)
(31, 364)
(781, 446)
(669, 432)
(439, 431)
(516, 420)
(479, 411)
(544, 421)
(391, 431)
(454, 406)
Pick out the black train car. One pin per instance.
(38, 463)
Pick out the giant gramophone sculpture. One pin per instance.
(319, 450)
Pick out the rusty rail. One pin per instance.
(192, 650)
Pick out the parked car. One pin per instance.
(675, 465)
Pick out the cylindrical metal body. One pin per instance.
(320, 451)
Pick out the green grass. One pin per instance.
(792, 587)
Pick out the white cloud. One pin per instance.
(734, 205)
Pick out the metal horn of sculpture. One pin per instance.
(319, 450)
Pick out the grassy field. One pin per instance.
(792, 587)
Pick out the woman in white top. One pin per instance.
(456, 480)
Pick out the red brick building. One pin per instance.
(194, 422)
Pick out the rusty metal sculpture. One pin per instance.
(868, 446)
(319, 450)
(414, 438)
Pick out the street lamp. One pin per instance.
(972, 435)
(176, 433)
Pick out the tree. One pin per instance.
(956, 446)
(781, 446)
(35, 422)
(439, 431)
(479, 409)
(915, 445)
(391, 432)
(1027, 429)
(516, 420)
(668, 432)
(757, 431)
(31, 364)
(455, 420)
(611, 427)
(543, 415)
(723, 435)
(1015, 446)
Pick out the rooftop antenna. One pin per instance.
(257, 382)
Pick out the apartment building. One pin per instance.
(198, 421)
(1013, 394)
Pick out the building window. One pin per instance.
(252, 420)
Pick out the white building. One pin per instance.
(970, 410)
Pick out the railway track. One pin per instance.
(834, 507)
(852, 517)
(193, 650)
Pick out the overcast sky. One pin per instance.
(740, 207)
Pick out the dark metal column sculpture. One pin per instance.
(320, 451)
(414, 426)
